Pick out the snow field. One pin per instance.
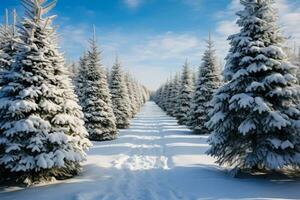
(155, 159)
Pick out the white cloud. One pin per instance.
(227, 27)
(167, 45)
(151, 58)
(289, 15)
(132, 4)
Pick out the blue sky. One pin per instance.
(153, 37)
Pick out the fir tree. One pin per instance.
(255, 122)
(136, 96)
(9, 39)
(72, 68)
(133, 101)
(100, 120)
(42, 131)
(119, 96)
(194, 79)
(185, 96)
(174, 95)
(108, 76)
(80, 78)
(165, 95)
(168, 97)
(208, 82)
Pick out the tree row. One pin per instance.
(253, 117)
(44, 126)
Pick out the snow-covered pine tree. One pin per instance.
(255, 123)
(164, 103)
(72, 68)
(8, 41)
(100, 120)
(194, 79)
(144, 94)
(119, 96)
(80, 78)
(208, 82)
(137, 103)
(42, 128)
(185, 96)
(158, 96)
(140, 94)
(133, 101)
(130, 92)
(108, 75)
(168, 97)
(174, 95)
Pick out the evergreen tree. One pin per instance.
(185, 96)
(100, 120)
(254, 123)
(194, 79)
(136, 95)
(165, 96)
(42, 131)
(141, 95)
(72, 68)
(119, 96)
(8, 41)
(133, 101)
(159, 96)
(174, 95)
(144, 93)
(80, 77)
(208, 82)
(168, 97)
(108, 76)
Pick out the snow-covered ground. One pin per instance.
(155, 159)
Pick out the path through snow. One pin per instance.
(155, 159)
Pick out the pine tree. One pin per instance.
(141, 94)
(80, 78)
(108, 76)
(8, 41)
(185, 96)
(165, 96)
(168, 98)
(136, 96)
(133, 101)
(255, 120)
(42, 131)
(174, 95)
(208, 82)
(119, 96)
(100, 120)
(194, 79)
(72, 68)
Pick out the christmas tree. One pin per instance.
(42, 128)
(255, 121)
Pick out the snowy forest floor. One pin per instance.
(155, 159)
